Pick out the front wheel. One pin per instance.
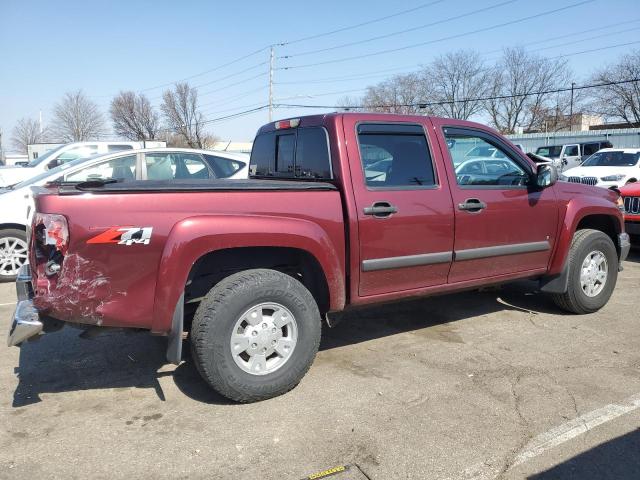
(255, 335)
(13, 253)
(593, 272)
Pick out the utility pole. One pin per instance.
(271, 62)
(571, 108)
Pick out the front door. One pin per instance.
(570, 156)
(405, 214)
(503, 225)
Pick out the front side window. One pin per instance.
(123, 168)
(572, 151)
(175, 166)
(497, 169)
(395, 156)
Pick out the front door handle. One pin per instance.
(380, 209)
(472, 205)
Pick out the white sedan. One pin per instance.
(148, 164)
(609, 167)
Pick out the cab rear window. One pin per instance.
(300, 153)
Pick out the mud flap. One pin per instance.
(174, 348)
(556, 283)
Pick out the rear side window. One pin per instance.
(223, 167)
(301, 153)
(395, 156)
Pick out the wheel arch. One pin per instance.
(218, 246)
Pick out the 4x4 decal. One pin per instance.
(124, 236)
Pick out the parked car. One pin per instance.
(631, 198)
(607, 168)
(149, 164)
(250, 268)
(63, 154)
(572, 154)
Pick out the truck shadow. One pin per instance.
(62, 362)
(616, 459)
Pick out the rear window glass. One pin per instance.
(297, 153)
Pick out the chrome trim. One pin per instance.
(374, 264)
(25, 323)
(23, 283)
(632, 205)
(624, 242)
(499, 250)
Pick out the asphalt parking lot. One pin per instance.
(478, 385)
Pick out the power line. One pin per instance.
(399, 32)
(463, 100)
(617, 24)
(594, 50)
(219, 67)
(358, 25)
(464, 34)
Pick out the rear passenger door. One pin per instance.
(404, 208)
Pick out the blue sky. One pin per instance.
(48, 48)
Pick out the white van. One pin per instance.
(66, 153)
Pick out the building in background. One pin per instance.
(12, 159)
(36, 149)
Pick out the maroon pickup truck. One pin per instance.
(341, 210)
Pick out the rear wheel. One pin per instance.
(255, 335)
(593, 272)
(13, 253)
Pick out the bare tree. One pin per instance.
(26, 132)
(76, 118)
(456, 84)
(519, 82)
(400, 94)
(621, 101)
(182, 115)
(133, 116)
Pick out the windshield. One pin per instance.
(53, 173)
(550, 152)
(46, 156)
(612, 159)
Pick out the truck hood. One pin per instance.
(570, 190)
(631, 190)
(600, 171)
(13, 175)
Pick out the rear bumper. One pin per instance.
(26, 321)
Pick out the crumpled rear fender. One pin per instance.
(196, 236)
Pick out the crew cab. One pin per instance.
(342, 211)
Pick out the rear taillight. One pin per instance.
(52, 230)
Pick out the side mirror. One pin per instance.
(53, 164)
(546, 175)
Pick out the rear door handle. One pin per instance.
(472, 205)
(380, 209)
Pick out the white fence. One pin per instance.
(622, 138)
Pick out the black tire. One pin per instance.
(10, 233)
(217, 315)
(575, 300)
